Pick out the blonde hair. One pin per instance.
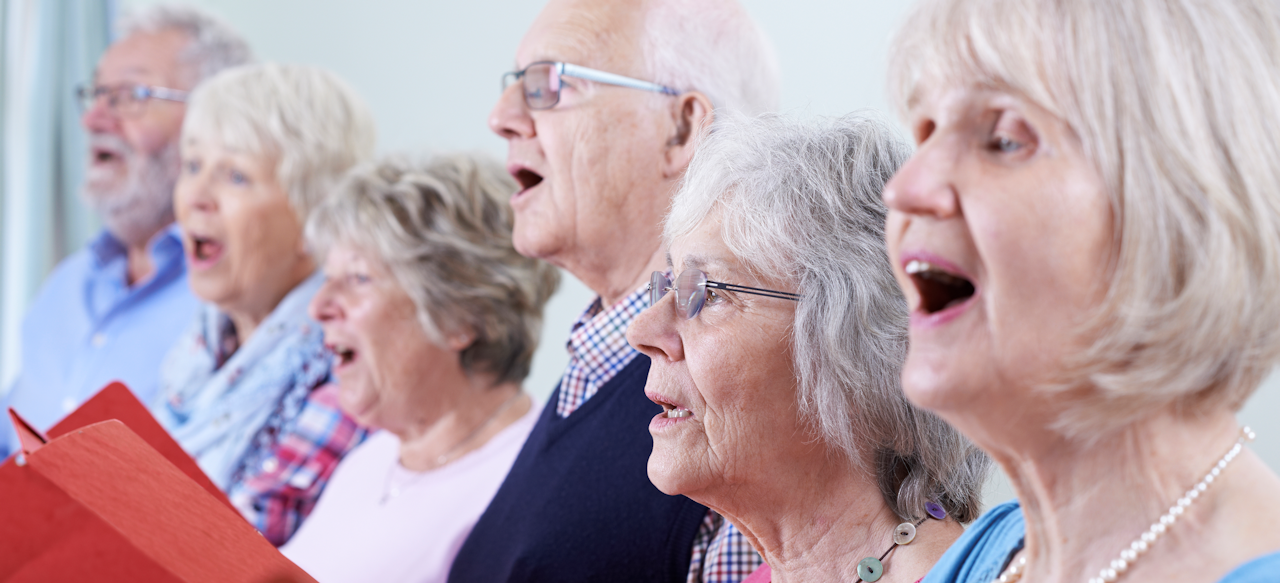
(443, 228)
(1174, 102)
(306, 118)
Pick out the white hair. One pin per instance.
(214, 45)
(800, 202)
(310, 121)
(711, 46)
(1175, 103)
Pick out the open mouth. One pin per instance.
(205, 250)
(527, 178)
(101, 156)
(671, 410)
(939, 289)
(344, 355)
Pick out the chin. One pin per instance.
(662, 476)
(536, 243)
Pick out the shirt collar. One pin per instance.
(165, 247)
(599, 332)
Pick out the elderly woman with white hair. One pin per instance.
(241, 390)
(1089, 239)
(434, 319)
(776, 349)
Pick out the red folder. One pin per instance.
(118, 500)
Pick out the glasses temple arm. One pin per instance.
(754, 290)
(572, 70)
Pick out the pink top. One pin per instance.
(377, 521)
(762, 575)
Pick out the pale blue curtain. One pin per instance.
(48, 47)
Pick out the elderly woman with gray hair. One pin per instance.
(1089, 238)
(433, 318)
(241, 390)
(776, 349)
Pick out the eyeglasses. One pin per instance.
(691, 291)
(127, 99)
(541, 82)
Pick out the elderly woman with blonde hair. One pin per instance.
(241, 391)
(776, 344)
(1089, 238)
(433, 318)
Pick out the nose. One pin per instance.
(924, 185)
(100, 118)
(193, 193)
(323, 307)
(653, 332)
(510, 118)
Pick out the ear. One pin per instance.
(691, 114)
(459, 341)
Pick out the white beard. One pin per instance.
(141, 204)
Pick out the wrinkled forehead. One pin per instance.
(603, 34)
(145, 56)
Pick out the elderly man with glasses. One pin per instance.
(112, 310)
(602, 116)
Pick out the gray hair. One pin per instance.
(306, 118)
(713, 47)
(1175, 103)
(443, 228)
(800, 202)
(214, 45)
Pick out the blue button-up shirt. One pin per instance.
(88, 327)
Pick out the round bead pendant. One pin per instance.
(904, 534)
(870, 569)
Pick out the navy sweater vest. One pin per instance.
(578, 505)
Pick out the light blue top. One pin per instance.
(983, 551)
(87, 327)
(220, 411)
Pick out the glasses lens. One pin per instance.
(658, 284)
(691, 292)
(541, 86)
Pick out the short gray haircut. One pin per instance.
(306, 118)
(214, 45)
(799, 201)
(443, 227)
(1175, 103)
(711, 46)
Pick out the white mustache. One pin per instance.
(111, 143)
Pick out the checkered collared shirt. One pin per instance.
(278, 489)
(598, 351)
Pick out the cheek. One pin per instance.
(1047, 266)
(151, 132)
(747, 393)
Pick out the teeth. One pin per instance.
(916, 266)
(678, 413)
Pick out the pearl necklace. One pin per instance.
(1140, 545)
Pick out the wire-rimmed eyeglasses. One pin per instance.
(691, 290)
(541, 82)
(126, 99)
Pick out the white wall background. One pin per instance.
(430, 71)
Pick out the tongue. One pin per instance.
(208, 249)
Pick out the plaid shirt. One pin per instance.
(598, 351)
(278, 489)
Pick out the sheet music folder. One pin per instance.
(108, 495)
